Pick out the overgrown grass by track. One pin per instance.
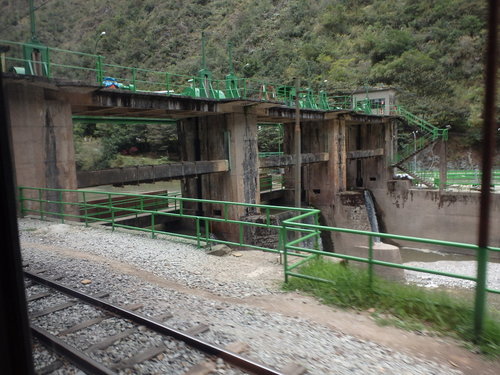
(405, 306)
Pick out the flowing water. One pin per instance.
(372, 216)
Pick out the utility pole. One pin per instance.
(297, 135)
(230, 55)
(34, 39)
(489, 126)
(203, 59)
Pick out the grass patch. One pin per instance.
(405, 306)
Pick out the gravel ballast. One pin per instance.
(274, 339)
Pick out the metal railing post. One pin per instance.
(285, 252)
(207, 232)
(134, 78)
(21, 201)
(480, 294)
(110, 200)
(167, 81)
(86, 212)
(281, 244)
(370, 261)
(198, 232)
(316, 238)
(40, 204)
(240, 227)
(61, 207)
(49, 73)
(153, 225)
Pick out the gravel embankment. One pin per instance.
(274, 339)
(464, 268)
(175, 260)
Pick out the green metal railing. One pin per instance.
(272, 182)
(111, 208)
(88, 67)
(471, 178)
(427, 134)
(54, 62)
(293, 246)
(412, 148)
(297, 236)
(270, 153)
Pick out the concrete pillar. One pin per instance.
(322, 182)
(233, 137)
(363, 135)
(42, 138)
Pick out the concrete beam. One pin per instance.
(287, 160)
(362, 154)
(129, 175)
(122, 103)
(287, 114)
(354, 118)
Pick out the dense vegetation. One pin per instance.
(431, 50)
(109, 145)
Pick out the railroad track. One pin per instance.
(179, 351)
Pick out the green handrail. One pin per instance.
(93, 68)
(291, 247)
(114, 206)
(294, 234)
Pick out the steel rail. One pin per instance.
(230, 357)
(80, 359)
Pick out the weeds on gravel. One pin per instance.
(405, 306)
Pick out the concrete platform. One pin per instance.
(383, 252)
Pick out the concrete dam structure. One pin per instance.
(343, 152)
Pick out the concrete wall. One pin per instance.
(42, 136)
(449, 216)
(42, 141)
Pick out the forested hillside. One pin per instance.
(431, 50)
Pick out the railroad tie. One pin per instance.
(50, 368)
(209, 366)
(81, 360)
(140, 357)
(82, 325)
(153, 351)
(91, 322)
(34, 297)
(61, 306)
(111, 339)
(197, 329)
(293, 369)
(50, 310)
(108, 341)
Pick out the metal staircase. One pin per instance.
(428, 135)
